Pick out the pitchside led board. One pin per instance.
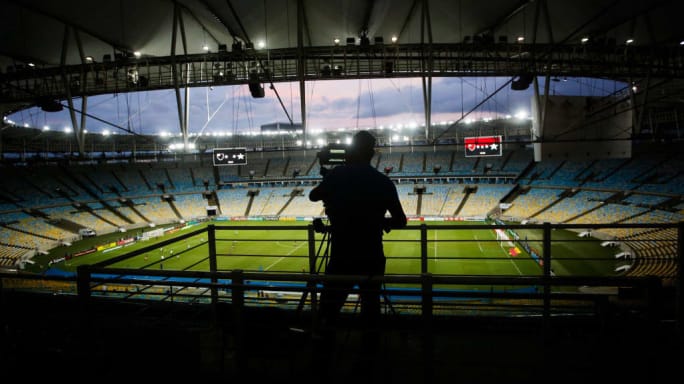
(230, 156)
(482, 146)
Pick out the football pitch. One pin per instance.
(284, 246)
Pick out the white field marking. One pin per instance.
(478, 244)
(509, 257)
(435, 245)
(516, 266)
(512, 262)
(281, 258)
(288, 246)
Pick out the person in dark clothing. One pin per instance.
(357, 197)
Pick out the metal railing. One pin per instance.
(426, 293)
(341, 62)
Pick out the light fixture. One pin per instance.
(522, 82)
(394, 39)
(584, 39)
(255, 86)
(137, 54)
(48, 104)
(521, 39)
(336, 41)
(629, 41)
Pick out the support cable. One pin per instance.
(261, 65)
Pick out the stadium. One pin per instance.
(543, 245)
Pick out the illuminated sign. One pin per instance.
(482, 146)
(229, 156)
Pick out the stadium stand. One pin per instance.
(607, 173)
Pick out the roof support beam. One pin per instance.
(221, 20)
(549, 29)
(300, 66)
(305, 21)
(72, 25)
(182, 115)
(509, 15)
(84, 88)
(78, 131)
(640, 12)
(547, 19)
(408, 17)
(543, 104)
(426, 26)
(239, 21)
(447, 62)
(366, 16)
(199, 22)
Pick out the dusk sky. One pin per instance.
(331, 105)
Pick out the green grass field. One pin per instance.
(449, 251)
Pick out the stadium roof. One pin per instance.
(53, 34)
(33, 30)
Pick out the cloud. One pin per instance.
(330, 104)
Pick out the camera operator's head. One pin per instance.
(362, 147)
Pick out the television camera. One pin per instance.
(332, 155)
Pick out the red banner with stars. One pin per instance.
(482, 146)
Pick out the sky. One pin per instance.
(331, 105)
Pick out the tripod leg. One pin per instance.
(302, 299)
(387, 300)
(310, 285)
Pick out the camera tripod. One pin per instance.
(322, 259)
(319, 227)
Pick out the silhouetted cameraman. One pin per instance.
(356, 197)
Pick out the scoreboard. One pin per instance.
(229, 156)
(482, 146)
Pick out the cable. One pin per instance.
(140, 123)
(268, 73)
(372, 101)
(358, 104)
